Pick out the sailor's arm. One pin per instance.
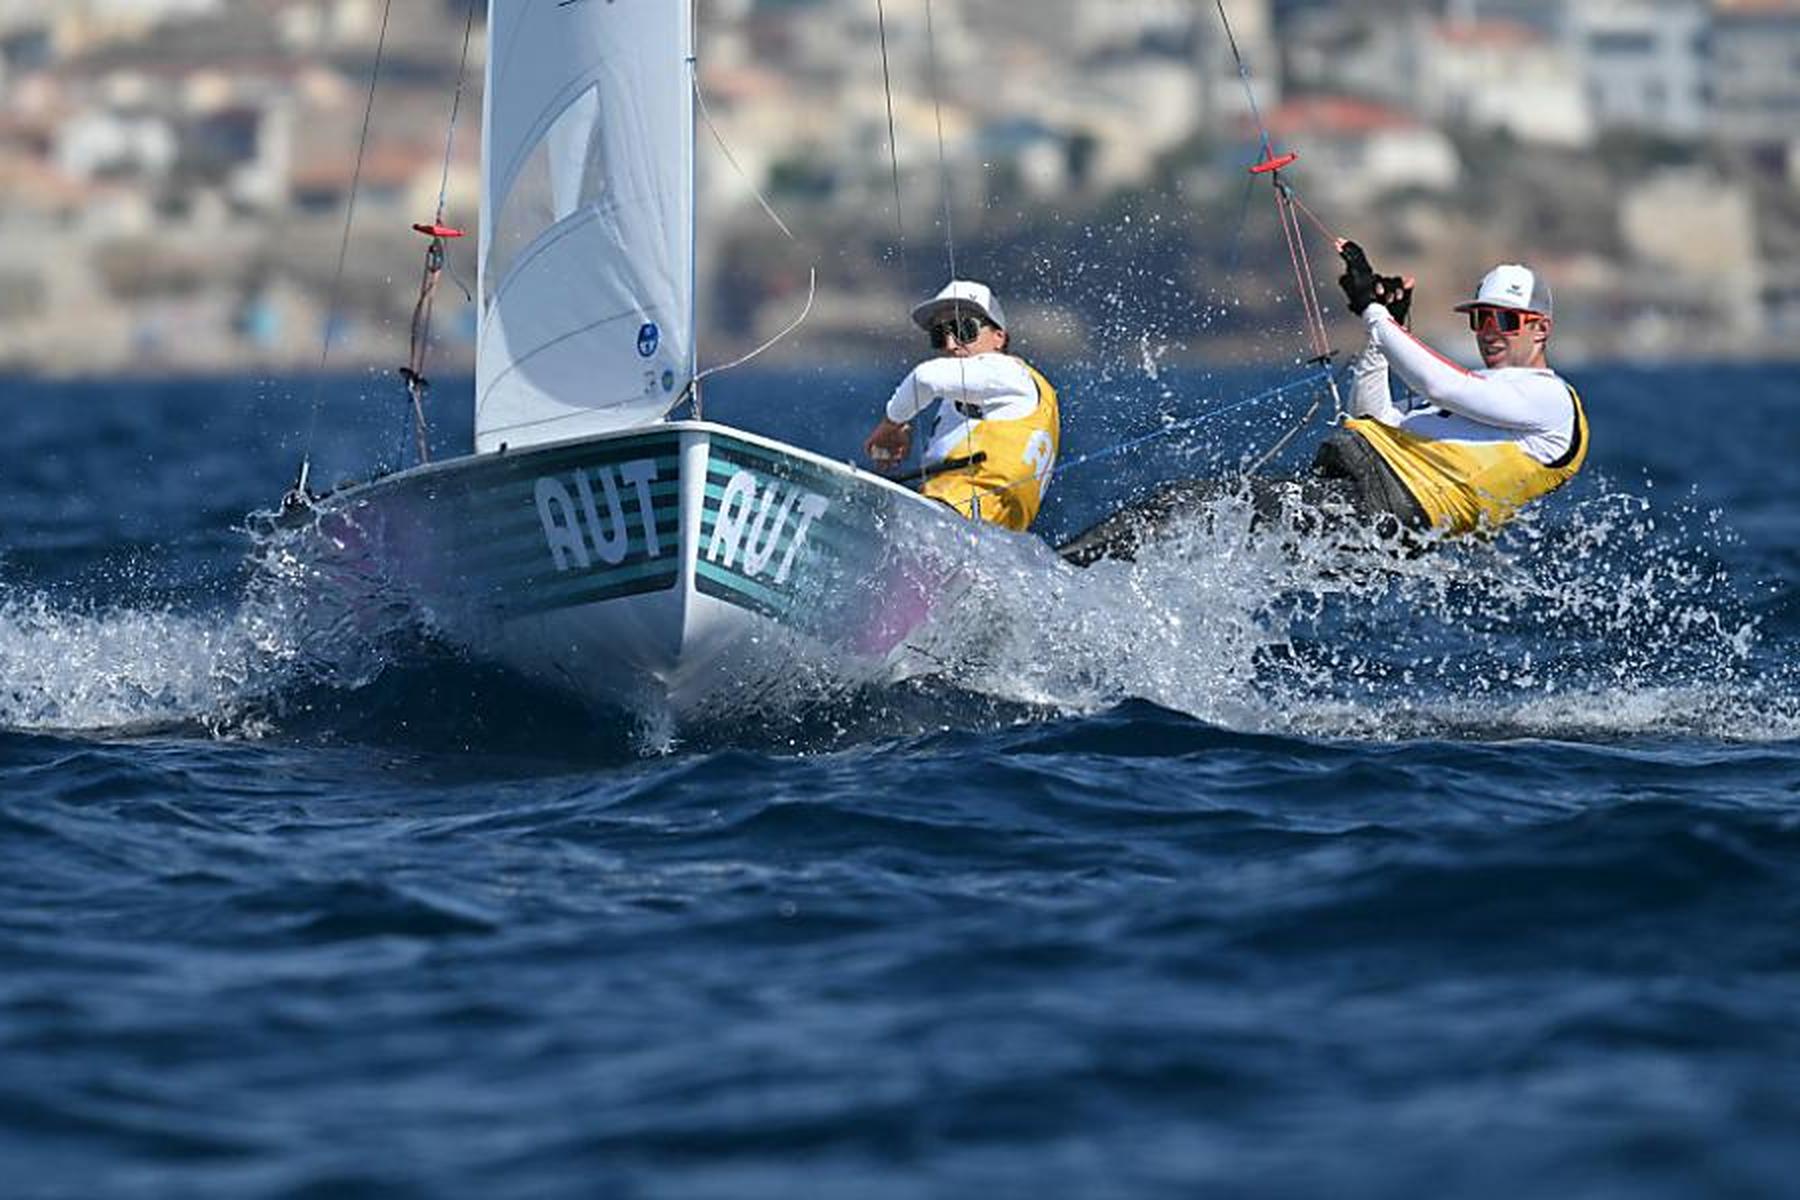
(1523, 402)
(1370, 394)
(889, 444)
(984, 382)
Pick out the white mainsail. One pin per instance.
(587, 250)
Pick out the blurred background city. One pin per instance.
(176, 173)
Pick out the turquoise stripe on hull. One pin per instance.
(733, 588)
(612, 585)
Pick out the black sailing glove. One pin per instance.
(1394, 294)
(1358, 279)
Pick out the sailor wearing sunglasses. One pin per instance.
(1484, 443)
(994, 441)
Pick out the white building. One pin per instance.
(1500, 75)
(1080, 28)
(1755, 71)
(1355, 52)
(99, 143)
(1357, 150)
(1645, 63)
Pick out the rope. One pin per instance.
(692, 390)
(1313, 311)
(1331, 237)
(337, 279)
(706, 115)
(812, 287)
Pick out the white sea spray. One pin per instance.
(1612, 619)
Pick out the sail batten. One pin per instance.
(587, 268)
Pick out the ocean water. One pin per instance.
(1254, 868)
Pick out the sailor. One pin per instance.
(1476, 446)
(1469, 451)
(994, 440)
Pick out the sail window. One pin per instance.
(563, 175)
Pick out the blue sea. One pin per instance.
(1260, 867)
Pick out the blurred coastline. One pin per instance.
(177, 173)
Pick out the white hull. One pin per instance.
(688, 566)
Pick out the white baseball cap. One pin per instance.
(1512, 285)
(959, 295)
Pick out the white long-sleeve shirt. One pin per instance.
(1529, 406)
(985, 387)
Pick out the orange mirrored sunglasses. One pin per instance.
(1501, 320)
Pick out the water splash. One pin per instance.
(87, 669)
(1613, 620)
(90, 667)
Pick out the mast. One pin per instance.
(690, 50)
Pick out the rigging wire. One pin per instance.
(462, 75)
(887, 87)
(1271, 164)
(312, 426)
(413, 373)
(1319, 375)
(1313, 379)
(1243, 71)
(1286, 439)
(1322, 379)
(1236, 258)
(1289, 209)
(937, 103)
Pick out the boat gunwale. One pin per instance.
(351, 493)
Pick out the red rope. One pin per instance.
(1297, 258)
(1317, 224)
(1321, 336)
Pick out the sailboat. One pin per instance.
(588, 540)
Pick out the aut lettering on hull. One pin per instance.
(757, 529)
(580, 528)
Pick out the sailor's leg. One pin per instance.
(1350, 485)
(1121, 534)
(1303, 505)
(1377, 491)
(1308, 506)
